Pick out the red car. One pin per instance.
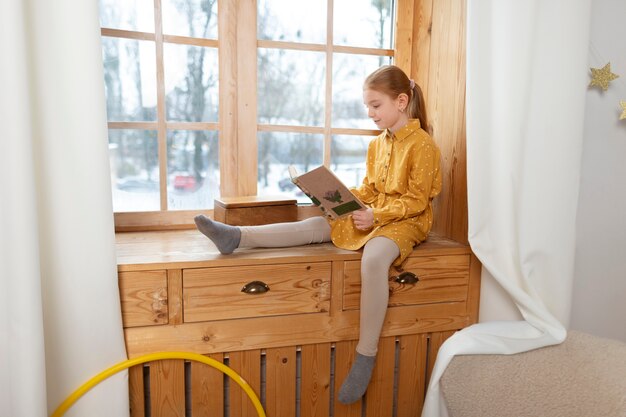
(185, 182)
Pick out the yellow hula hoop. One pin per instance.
(73, 397)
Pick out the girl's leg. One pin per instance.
(378, 255)
(227, 238)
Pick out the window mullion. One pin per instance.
(329, 82)
(161, 116)
(238, 97)
(247, 154)
(227, 119)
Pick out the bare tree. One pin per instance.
(383, 7)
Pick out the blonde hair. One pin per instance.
(392, 81)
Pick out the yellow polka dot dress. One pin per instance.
(403, 176)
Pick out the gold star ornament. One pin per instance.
(602, 77)
(623, 104)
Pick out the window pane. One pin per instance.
(365, 23)
(278, 150)
(193, 171)
(134, 170)
(291, 87)
(194, 18)
(127, 14)
(348, 158)
(349, 72)
(129, 79)
(292, 21)
(191, 76)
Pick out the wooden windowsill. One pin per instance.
(189, 248)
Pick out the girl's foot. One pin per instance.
(357, 380)
(225, 237)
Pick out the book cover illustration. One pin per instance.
(326, 191)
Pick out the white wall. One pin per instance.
(599, 294)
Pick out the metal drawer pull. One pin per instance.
(406, 278)
(255, 287)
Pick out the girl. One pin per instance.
(401, 180)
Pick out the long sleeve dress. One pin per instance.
(402, 177)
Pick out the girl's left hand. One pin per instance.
(363, 219)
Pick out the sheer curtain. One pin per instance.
(59, 305)
(526, 83)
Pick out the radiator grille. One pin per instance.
(298, 381)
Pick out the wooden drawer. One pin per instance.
(216, 293)
(441, 279)
(144, 298)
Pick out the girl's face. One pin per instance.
(386, 112)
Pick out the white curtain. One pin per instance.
(59, 306)
(526, 82)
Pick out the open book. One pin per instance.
(326, 191)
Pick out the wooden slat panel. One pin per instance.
(167, 388)
(420, 48)
(379, 395)
(345, 353)
(445, 98)
(315, 389)
(144, 298)
(248, 365)
(411, 374)
(404, 34)
(436, 340)
(215, 293)
(207, 389)
(280, 394)
(136, 388)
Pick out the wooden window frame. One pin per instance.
(237, 46)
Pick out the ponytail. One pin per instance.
(392, 81)
(417, 107)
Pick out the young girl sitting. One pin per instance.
(402, 178)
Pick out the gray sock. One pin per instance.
(225, 236)
(357, 380)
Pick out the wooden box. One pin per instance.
(255, 210)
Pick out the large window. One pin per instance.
(207, 100)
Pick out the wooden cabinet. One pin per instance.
(292, 337)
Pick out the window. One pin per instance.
(311, 65)
(202, 102)
(161, 83)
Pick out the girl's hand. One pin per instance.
(363, 219)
